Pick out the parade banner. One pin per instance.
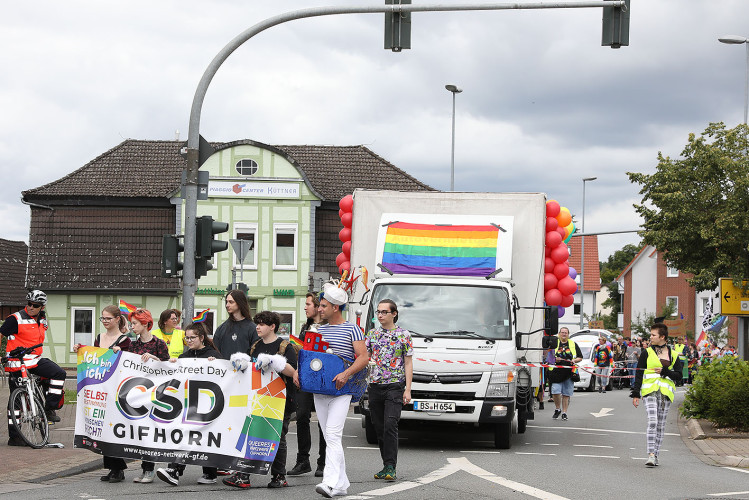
(193, 411)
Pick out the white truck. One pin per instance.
(466, 271)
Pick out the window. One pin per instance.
(83, 322)
(287, 324)
(705, 304)
(672, 272)
(246, 232)
(284, 246)
(246, 166)
(673, 302)
(576, 309)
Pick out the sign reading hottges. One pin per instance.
(193, 411)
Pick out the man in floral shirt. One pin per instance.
(391, 351)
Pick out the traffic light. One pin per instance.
(239, 286)
(171, 264)
(397, 27)
(205, 245)
(615, 26)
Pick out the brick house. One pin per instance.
(13, 258)
(96, 234)
(592, 279)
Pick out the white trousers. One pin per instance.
(331, 413)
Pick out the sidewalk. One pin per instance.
(713, 447)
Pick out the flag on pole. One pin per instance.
(202, 316)
(126, 308)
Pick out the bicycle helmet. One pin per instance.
(37, 296)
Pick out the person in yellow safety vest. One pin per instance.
(658, 369)
(681, 350)
(566, 353)
(169, 333)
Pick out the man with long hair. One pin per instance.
(238, 332)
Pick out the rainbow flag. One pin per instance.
(295, 340)
(202, 315)
(453, 250)
(126, 308)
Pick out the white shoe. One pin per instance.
(339, 493)
(651, 461)
(206, 479)
(324, 490)
(145, 477)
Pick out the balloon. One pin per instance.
(559, 253)
(569, 231)
(561, 311)
(553, 297)
(562, 233)
(341, 212)
(573, 273)
(561, 271)
(549, 265)
(551, 224)
(567, 286)
(340, 259)
(547, 251)
(346, 219)
(552, 208)
(344, 234)
(564, 218)
(550, 281)
(553, 239)
(346, 247)
(344, 267)
(347, 203)
(568, 300)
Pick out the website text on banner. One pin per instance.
(193, 411)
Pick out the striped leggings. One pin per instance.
(657, 406)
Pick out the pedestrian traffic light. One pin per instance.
(239, 286)
(397, 27)
(615, 26)
(171, 264)
(205, 245)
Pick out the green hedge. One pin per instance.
(719, 394)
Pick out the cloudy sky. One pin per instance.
(543, 104)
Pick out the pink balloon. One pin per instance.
(552, 208)
(347, 203)
(551, 224)
(553, 297)
(553, 239)
(567, 286)
(550, 281)
(560, 253)
(561, 271)
(346, 247)
(344, 235)
(568, 300)
(549, 265)
(344, 267)
(340, 259)
(346, 219)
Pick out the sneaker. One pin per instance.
(107, 476)
(169, 475)
(564, 416)
(541, 405)
(146, 476)
(557, 412)
(600, 390)
(389, 473)
(381, 474)
(338, 493)
(117, 476)
(16, 442)
(278, 481)
(299, 468)
(324, 490)
(238, 480)
(206, 479)
(651, 460)
(223, 472)
(319, 471)
(52, 416)
(550, 400)
(656, 460)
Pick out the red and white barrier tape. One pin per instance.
(530, 365)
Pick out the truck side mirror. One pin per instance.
(551, 320)
(549, 342)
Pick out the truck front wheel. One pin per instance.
(502, 434)
(369, 430)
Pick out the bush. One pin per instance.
(719, 394)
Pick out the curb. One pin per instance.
(72, 471)
(695, 429)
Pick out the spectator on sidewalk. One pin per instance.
(169, 332)
(604, 360)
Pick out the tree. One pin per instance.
(609, 271)
(642, 322)
(696, 208)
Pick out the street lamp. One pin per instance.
(454, 90)
(582, 257)
(737, 40)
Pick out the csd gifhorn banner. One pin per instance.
(193, 411)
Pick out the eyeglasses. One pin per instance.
(33, 304)
(105, 319)
(190, 339)
(382, 313)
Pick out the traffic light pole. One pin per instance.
(189, 282)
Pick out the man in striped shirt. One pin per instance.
(346, 340)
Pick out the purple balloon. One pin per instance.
(573, 273)
(560, 311)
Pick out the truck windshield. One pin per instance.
(438, 310)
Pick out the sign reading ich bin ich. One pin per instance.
(245, 189)
(734, 300)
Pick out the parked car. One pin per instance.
(586, 340)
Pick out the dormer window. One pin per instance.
(246, 166)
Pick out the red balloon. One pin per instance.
(551, 224)
(344, 267)
(549, 265)
(347, 203)
(567, 286)
(547, 251)
(550, 281)
(560, 253)
(552, 208)
(340, 259)
(346, 247)
(562, 232)
(344, 234)
(341, 212)
(561, 271)
(553, 297)
(553, 239)
(346, 219)
(568, 300)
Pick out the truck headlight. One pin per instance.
(501, 384)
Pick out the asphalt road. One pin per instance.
(587, 457)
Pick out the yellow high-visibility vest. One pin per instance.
(652, 381)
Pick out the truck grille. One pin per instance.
(447, 378)
(447, 396)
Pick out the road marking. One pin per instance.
(605, 412)
(602, 430)
(638, 458)
(746, 471)
(481, 451)
(727, 493)
(592, 446)
(361, 448)
(592, 433)
(455, 465)
(549, 444)
(595, 456)
(532, 453)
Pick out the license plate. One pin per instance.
(442, 406)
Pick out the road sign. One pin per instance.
(733, 300)
(241, 248)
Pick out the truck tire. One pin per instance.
(502, 435)
(369, 430)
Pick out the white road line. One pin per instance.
(638, 458)
(592, 433)
(595, 456)
(532, 453)
(592, 446)
(361, 448)
(746, 471)
(727, 493)
(601, 430)
(481, 451)
(549, 444)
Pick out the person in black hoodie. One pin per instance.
(198, 346)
